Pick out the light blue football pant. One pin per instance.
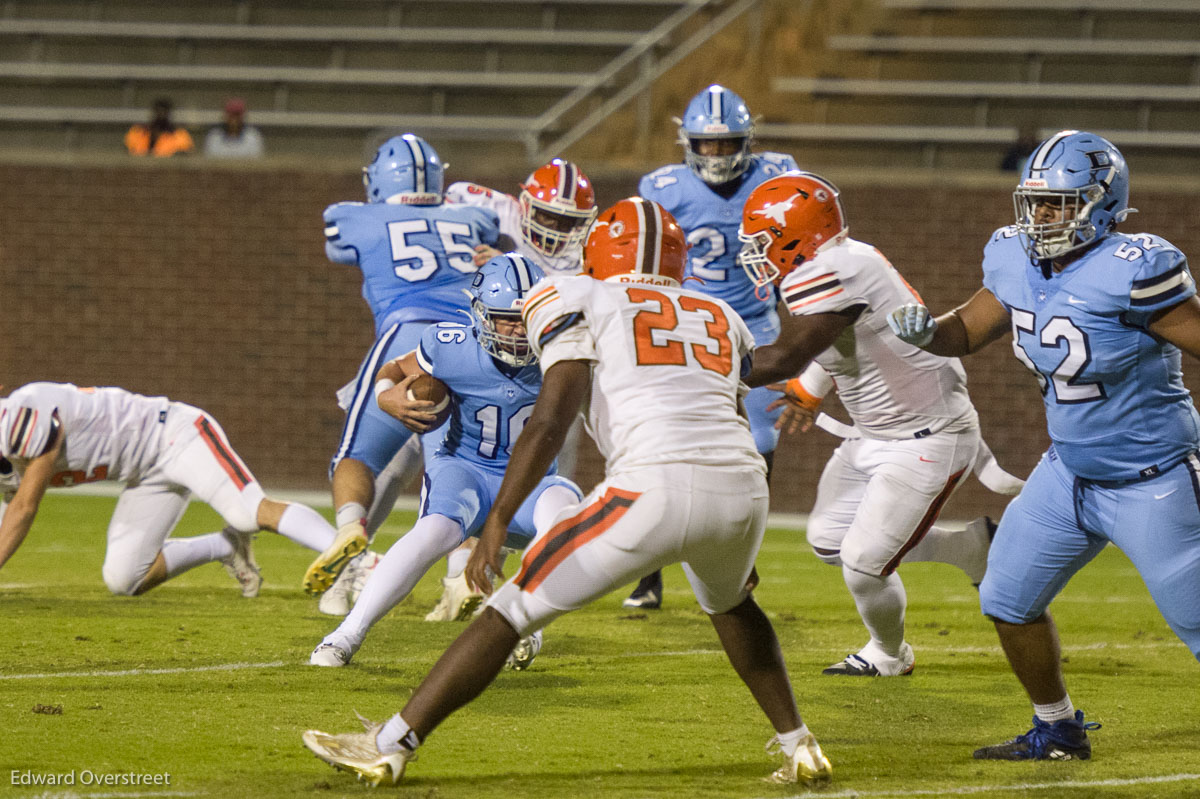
(1060, 522)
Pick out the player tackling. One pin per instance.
(680, 487)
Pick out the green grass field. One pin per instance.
(194, 681)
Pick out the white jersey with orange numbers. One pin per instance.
(111, 434)
(666, 374)
(891, 390)
(508, 208)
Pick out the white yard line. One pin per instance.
(274, 664)
(970, 790)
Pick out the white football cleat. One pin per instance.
(330, 655)
(871, 661)
(357, 753)
(524, 652)
(344, 592)
(459, 601)
(807, 764)
(241, 564)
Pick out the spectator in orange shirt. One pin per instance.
(160, 137)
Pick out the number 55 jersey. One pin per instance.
(1116, 406)
(666, 368)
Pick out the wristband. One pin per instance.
(383, 385)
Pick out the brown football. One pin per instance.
(428, 387)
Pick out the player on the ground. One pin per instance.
(659, 368)
(416, 254)
(706, 194)
(1099, 317)
(915, 435)
(491, 373)
(547, 221)
(59, 435)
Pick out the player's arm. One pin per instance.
(968, 328)
(801, 400)
(391, 392)
(564, 387)
(801, 339)
(19, 515)
(1180, 325)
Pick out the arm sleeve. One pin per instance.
(557, 327)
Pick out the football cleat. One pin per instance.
(344, 592)
(1065, 739)
(870, 661)
(332, 652)
(358, 753)
(985, 530)
(648, 593)
(241, 564)
(807, 764)
(524, 652)
(459, 601)
(351, 539)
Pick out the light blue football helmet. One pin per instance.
(498, 292)
(716, 113)
(406, 171)
(1082, 175)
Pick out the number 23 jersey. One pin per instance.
(666, 374)
(1116, 406)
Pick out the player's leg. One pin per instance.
(910, 481)
(452, 503)
(134, 560)
(1037, 549)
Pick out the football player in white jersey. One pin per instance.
(680, 487)
(547, 222)
(915, 435)
(60, 435)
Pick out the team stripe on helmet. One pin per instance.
(1160, 288)
(1039, 158)
(418, 156)
(566, 181)
(650, 230)
(521, 271)
(716, 102)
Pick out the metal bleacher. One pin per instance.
(505, 77)
(951, 82)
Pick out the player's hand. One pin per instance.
(417, 415)
(912, 324)
(799, 407)
(484, 253)
(485, 559)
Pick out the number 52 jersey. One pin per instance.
(1116, 406)
(666, 374)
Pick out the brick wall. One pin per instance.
(212, 287)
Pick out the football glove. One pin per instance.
(912, 324)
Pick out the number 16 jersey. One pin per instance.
(666, 374)
(1116, 406)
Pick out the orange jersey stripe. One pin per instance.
(570, 534)
(537, 300)
(225, 456)
(823, 296)
(927, 521)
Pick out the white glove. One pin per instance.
(913, 324)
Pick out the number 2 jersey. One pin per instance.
(490, 403)
(666, 369)
(111, 433)
(416, 260)
(1116, 406)
(891, 390)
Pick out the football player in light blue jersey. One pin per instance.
(1099, 317)
(705, 194)
(415, 254)
(494, 380)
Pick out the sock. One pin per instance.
(957, 547)
(181, 554)
(790, 741)
(306, 527)
(430, 539)
(1057, 711)
(881, 602)
(456, 562)
(396, 735)
(350, 512)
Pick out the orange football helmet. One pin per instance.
(786, 221)
(557, 205)
(636, 237)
